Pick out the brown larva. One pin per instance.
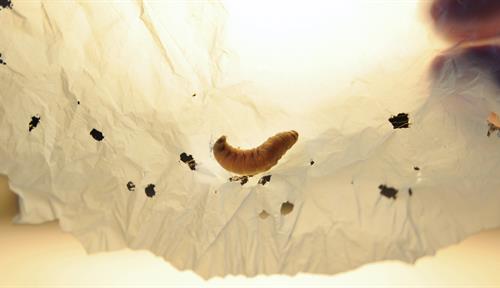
(256, 160)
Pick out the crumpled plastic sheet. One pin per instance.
(99, 101)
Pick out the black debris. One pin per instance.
(400, 121)
(96, 134)
(286, 208)
(264, 179)
(150, 190)
(34, 122)
(130, 186)
(410, 191)
(1, 59)
(388, 192)
(5, 4)
(492, 128)
(312, 162)
(194, 95)
(188, 159)
(416, 168)
(243, 179)
(78, 102)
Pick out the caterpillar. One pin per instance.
(255, 160)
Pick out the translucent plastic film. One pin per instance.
(110, 112)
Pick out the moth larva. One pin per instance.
(256, 160)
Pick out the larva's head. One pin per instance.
(294, 134)
(220, 143)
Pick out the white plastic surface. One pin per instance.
(162, 78)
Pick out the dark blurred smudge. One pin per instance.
(464, 10)
(460, 20)
(486, 58)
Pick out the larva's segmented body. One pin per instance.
(256, 160)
